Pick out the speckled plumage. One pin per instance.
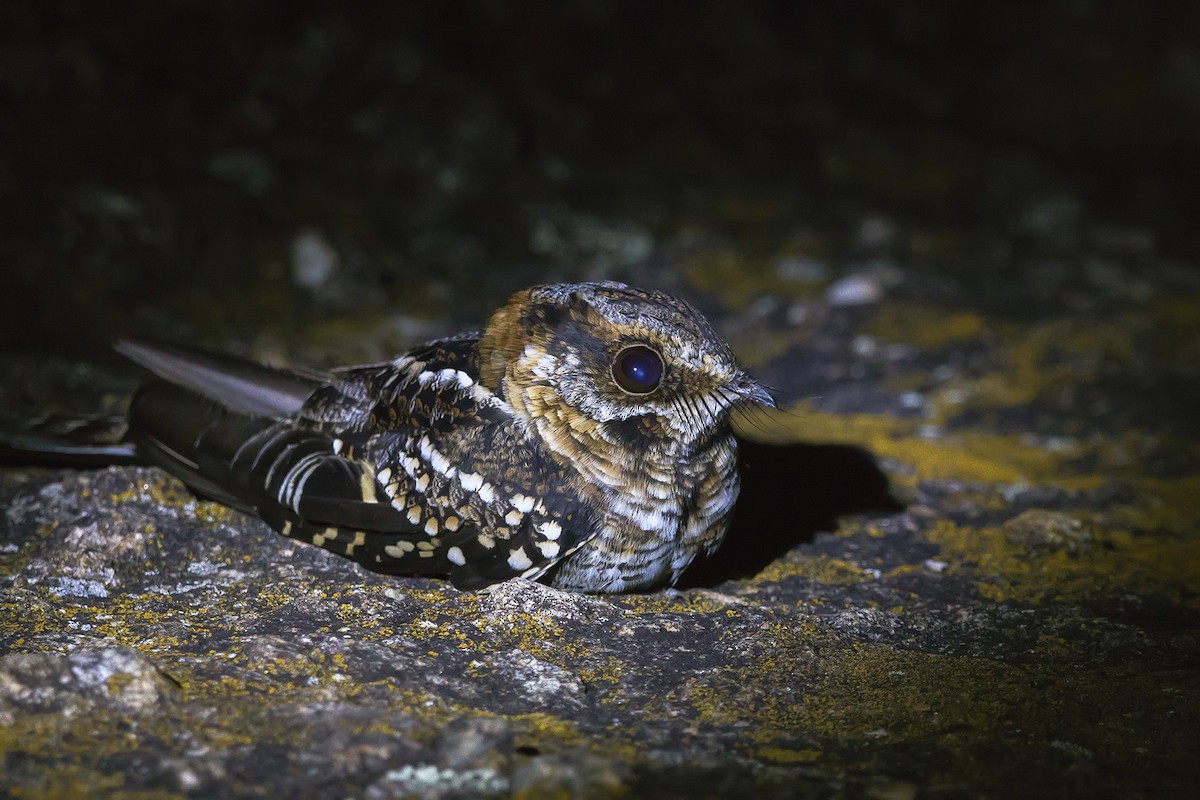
(525, 450)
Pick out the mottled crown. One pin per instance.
(591, 354)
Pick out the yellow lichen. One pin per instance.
(970, 457)
(1118, 560)
(818, 569)
(924, 327)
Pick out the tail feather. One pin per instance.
(190, 422)
(97, 430)
(195, 422)
(237, 384)
(44, 451)
(69, 442)
(192, 437)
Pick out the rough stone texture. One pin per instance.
(968, 292)
(1028, 620)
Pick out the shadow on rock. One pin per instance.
(789, 493)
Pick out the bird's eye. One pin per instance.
(637, 369)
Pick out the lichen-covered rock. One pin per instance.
(116, 680)
(983, 634)
(1028, 617)
(990, 348)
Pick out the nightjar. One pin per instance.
(581, 439)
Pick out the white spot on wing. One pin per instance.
(550, 529)
(366, 484)
(484, 397)
(441, 463)
(399, 549)
(455, 556)
(518, 560)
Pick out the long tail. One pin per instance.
(69, 443)
(205, 410)
(197, 390)
(237, 384)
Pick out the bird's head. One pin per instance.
(603, 358)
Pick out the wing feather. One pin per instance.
(408, 467)
(237, 384)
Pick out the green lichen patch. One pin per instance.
(925, 327)
(963, 721)
(1009, 569)
(969, 456)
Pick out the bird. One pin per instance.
(582, 439)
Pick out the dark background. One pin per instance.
(160, 159)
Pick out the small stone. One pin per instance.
(875, 232)
(1047, 530)
(314, 260)
(119, 679)
(854, 290)
(802, 270)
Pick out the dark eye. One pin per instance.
(637, 369)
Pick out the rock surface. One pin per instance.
(972, 296)
(1029, 618)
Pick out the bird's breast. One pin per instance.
(658, 509)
